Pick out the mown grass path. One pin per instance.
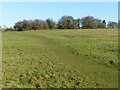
(38, 45)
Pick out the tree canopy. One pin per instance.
(112, 24)
(65, 22)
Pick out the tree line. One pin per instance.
(65, 22)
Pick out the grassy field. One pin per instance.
(61, 58)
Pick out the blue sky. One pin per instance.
(17, 11)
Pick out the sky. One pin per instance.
(12, 12)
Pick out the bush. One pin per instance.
(10, 29)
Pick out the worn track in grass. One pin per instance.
(23, 53)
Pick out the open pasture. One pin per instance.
(60, 58)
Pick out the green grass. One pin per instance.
(61, 58)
